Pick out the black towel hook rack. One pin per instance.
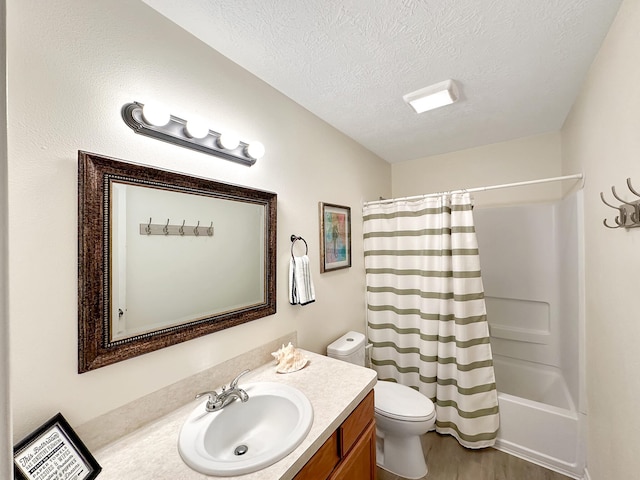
(294, 239)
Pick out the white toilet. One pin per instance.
(402, 414)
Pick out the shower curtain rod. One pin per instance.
(576, 176)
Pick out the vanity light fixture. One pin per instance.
(155, 114)
(228, 140)
(433, 96)
(254, 150)
(155, 121)
(196, 129)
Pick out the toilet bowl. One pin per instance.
(402, 415)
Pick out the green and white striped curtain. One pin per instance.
(426, 311)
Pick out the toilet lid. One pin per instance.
(400, 402)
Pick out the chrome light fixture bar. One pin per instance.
(161, 125)
(433, 96)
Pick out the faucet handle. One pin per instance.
(212, 395)
(211, 402)
(234, 382)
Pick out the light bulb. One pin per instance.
(155, 114)
(255, 150)
(228, 141)
(196, 129)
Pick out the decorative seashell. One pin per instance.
(289, 359)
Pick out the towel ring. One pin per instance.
(294, 239)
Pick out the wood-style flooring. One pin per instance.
(447, 460)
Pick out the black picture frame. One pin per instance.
(55, 448)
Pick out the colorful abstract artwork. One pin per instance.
(335, 237)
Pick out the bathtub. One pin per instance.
(538, 419)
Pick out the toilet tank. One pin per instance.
(348, 348)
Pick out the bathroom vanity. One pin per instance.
(340, 444)
(350, 453)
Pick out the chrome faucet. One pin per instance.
(220, 400)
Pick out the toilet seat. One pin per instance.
(400, 402)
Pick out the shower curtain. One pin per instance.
(426, 314)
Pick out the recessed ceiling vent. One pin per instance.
(433, 96)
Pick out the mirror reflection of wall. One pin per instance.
(160, 281)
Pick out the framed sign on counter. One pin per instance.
(54, 452)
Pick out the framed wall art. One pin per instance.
(335, 237)
(54, 451)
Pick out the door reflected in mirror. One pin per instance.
(166, 257)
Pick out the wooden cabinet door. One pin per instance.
(355, 424)
(360, 463)
(322, 463)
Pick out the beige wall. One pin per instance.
(72, 65)
(6, 459)
(519, 160)
(602, 138)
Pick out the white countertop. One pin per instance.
(334, 388)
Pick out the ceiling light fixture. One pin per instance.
(433, 96)
(189, 134)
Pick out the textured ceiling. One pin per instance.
(519, 63)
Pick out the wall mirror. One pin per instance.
(165, 257)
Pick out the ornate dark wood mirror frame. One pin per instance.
(96, 347)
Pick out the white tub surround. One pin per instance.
(539, 421)
(531, 257)
(334, 388)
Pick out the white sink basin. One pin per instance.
(246, 437)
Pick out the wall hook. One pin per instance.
(631, 188)
(168, 230)
(634, 213)
(628, 212)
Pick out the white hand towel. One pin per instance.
(301, 289)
